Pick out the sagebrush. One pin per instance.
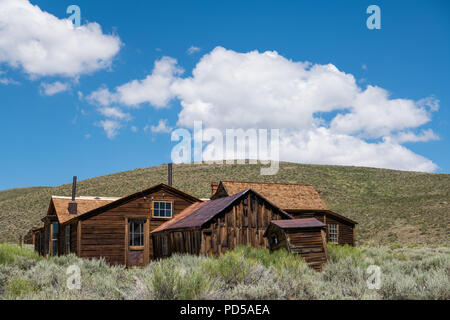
(245, 273)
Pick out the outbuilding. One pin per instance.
(305, 237)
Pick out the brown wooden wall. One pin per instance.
(224, 232)
(345, 229)
(104, 235)
(310, 244)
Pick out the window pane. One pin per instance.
(156, 205)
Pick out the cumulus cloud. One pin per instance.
(193, 49)
(111, 127)
(114, 113)
(7, 81)
(228, 89)
(162, 127)
(44, 45)
(50, 89)
(154, 89)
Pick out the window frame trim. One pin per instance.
(337, 232)
(140, 219)
(164, 201)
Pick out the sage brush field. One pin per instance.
(246, 273)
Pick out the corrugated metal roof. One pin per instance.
(299, 223)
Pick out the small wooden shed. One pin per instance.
(306, 237)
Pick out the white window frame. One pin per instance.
(333, 232)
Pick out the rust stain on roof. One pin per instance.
(285, 196)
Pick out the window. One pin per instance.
(333, 232)
(55, 232)
(136, 233)
(68, 239)
(162, 209)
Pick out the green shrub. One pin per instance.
(174, 281)
(19, 287)
(337, 253)
(13, 254)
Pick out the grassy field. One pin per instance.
(390, 206)
(246, 273)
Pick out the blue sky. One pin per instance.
(45, 139)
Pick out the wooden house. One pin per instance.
(215, 226)
(59, 223)
(306, 237)
(300, 201)
(116, 229)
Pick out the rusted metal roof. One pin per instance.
(299, 223)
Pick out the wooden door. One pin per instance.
(138, 242)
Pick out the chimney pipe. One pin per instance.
(73, 207)
(169, 173)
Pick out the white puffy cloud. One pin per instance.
(115, 113)
(409, 136)
(193, 49)
(228, 89)
(44, 45)
(50, 89)
(111, 127)
(7, 81)
(154, 89)
(162, 127)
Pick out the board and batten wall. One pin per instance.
(239, 224)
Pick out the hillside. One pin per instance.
(390, 206)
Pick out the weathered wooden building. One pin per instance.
(162, 220)
(116, 229)
(306, 237)
(300, 201)
(215, 226)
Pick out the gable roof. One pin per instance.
(60, 205)
(197, 215)
(285, 196)
(137, 195)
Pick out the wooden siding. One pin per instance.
(310, 244)
(224, 232)
(105, 234)
(345, 229)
